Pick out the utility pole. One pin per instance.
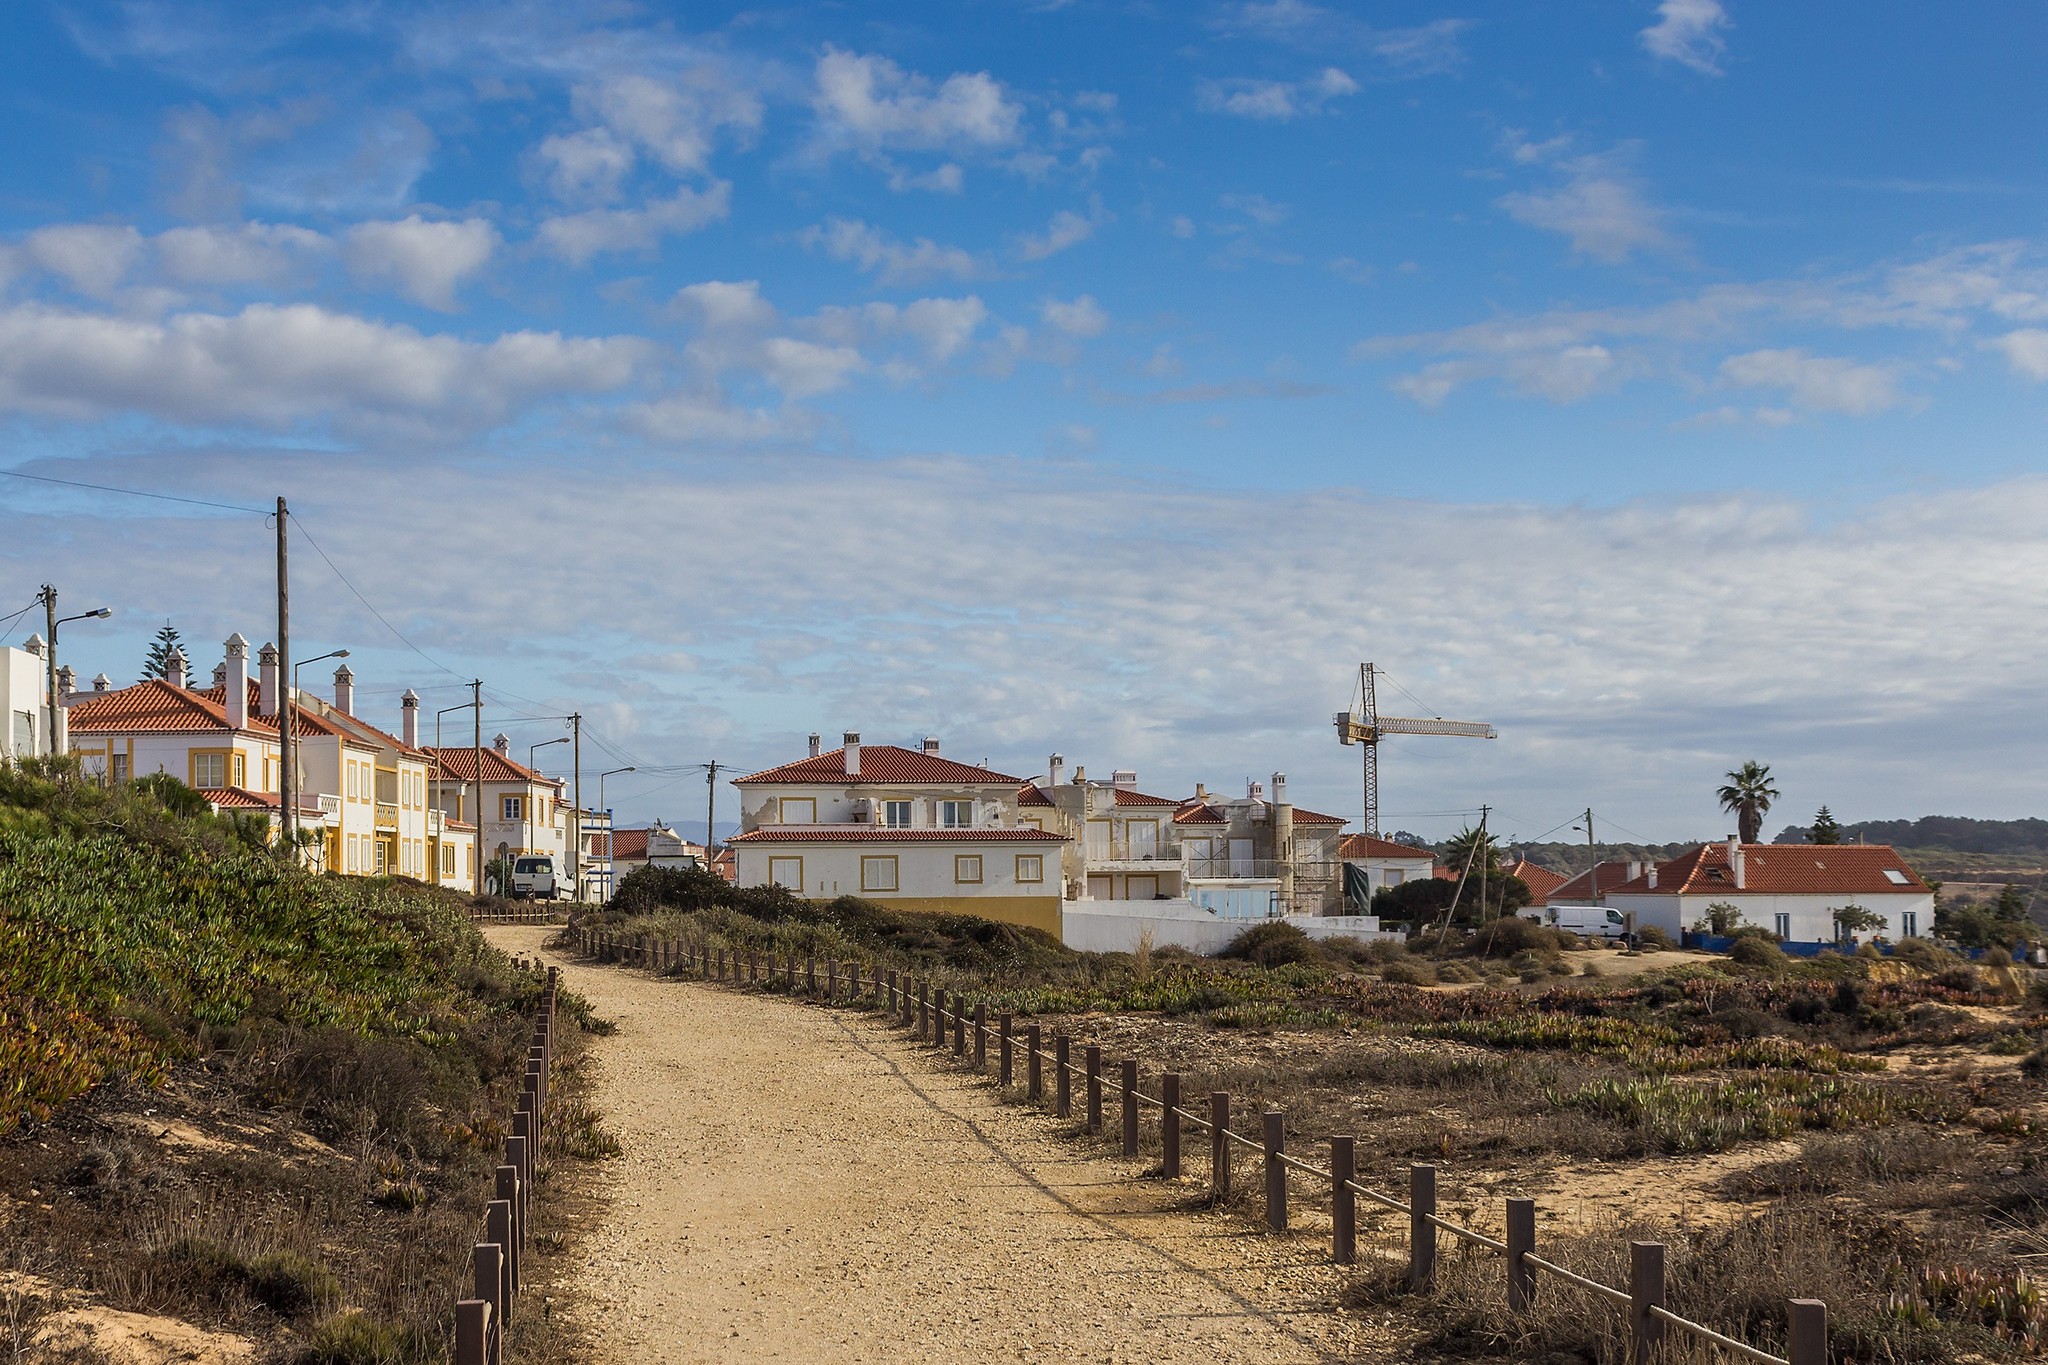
(1592, 861)
(710, 807)
(287, 746)
(476, 703)
(1485, 857)
(576, 798)
(50, 736)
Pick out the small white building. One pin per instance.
(1793, 890)
(24, 701)
(1386, 863)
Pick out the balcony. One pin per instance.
(387, 815)
(330, 808)
(1113, 857)
(1223, 868)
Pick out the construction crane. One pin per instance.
(1365, 728)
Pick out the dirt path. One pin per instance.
(799, 1183)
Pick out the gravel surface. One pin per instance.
(802, 1183)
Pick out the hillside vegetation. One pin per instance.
(232, 1092)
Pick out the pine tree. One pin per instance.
(158, 663)
(1826, 829)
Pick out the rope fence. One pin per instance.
(922, 1008)
(498, 1260)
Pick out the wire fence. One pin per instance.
(497, 1262)
(948, 1021)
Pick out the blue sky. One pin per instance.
(1664, 382)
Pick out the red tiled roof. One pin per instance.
(1366, 846)
(1782, 870)
(241, 798)
(1125, 796)
(1613, 872)
(1033, 795)
(1309, 817)
(1540, 880)
(881, 763)
(1193, 812)
(726, 864)
(626, 843)
(156, 706)
(871, 834)
(459, 765)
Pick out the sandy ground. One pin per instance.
(801, 1184)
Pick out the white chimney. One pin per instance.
(67, 680)
(266, 680)
(816, 742)
(1255, 790)
(1056, 768)
(852, 743)
(502, 742)
(34, 645)
(1124, 778)
(220, 675)
(101, 682)
(1735, 861)
(1635, 869)
(236, 681)
(174, 666)
(409, 729)
(1650, 874)
(344, 691)
(931, 744)
(1279, 789)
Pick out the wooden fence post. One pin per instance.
(473, 1332)
(487, 1260)
(1276, 1170)
(907, 1011)
(1645, 1291)
(1521, 1244)
(516, 1157)
(506, 1188)
(1219, 1145)
(892, 992)
(501, 1226)
(959, 1027)
(1343, 1201)
(1421, 1231)
(1128, 1085)
(1034, 1065)
(1062, 1079)
(831, 980)
(1094, 1065)
(924, 1009)
(1006, 1071)
(938, 1038)
(981, 1035)
(811, 974)
(1808, 1323)
(1169, 1125)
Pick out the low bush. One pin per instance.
(1510, 935)
(1271, 944)
(1409, 973)
(1754, 951)
(359, 1339)
(1650, 936)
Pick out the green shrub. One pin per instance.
(359, 1339)
(1408, 973)
(1650, 936)
(1511, 935)
(1753, 951)
(1272, 944)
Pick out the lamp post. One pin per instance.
(440, 767)
(288, 749)
(530, 750)
(609, 825)
(52, 620)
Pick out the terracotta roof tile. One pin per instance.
(1782, 870)
(459, 765)
(1365, 846)
(1613, 872)
(1309, 817)
(1540, 880)
(1194, 812)
(626, 843)
(870, 834)
(1125, 796)
(156, 706)
(881, 763)
(1033, 795)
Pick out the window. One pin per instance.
(798, 810)
(956, 815)
(1393, 876)
(1910, 924)
(241, 771)
(120, 769)
(447, 860)
(1781, 925)
(967, 868)
(788, 872)
(1030, 867)
(1896, 877)
(878, 874)
(896, 814)
(513, 805)
(383, 858)
(209, 771)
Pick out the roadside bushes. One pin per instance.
(1272, 944)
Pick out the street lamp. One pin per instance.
(52, 620)
(440, 766)
(530, 768)
(288, 749)
(609, 827)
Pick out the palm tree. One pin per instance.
(1748, 795)
(1475, 844)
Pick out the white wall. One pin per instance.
(1812, 916)
(22, 681)
(923, 870)
(1114, 926)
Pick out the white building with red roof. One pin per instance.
(516, 809)
(907, 828)
(1793, 890)
(1385, 863)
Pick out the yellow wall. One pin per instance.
(1033, 912)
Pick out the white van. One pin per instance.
(1587, 921)
(535, 877)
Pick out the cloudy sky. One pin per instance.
(1662, 382)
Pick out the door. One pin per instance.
(1144, 838)
(1910, 926)
(1101, 888)
(1098, 842)
(1141, 888)
(1240, 857)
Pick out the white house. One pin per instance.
(1793, 890)
(616, 854)
(1386, 863)
(904, 827)
(516, 808)
(23, 701)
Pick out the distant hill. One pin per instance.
(1946, 833)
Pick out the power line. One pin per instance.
(396, 633)
(138, 493)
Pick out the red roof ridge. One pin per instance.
(881, 763)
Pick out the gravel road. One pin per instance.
(802, 1184)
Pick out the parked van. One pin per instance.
(1587, 921)
(535, 877)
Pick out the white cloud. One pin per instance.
(1066, 229)
(1182, 226)
(1258, 208)
(674, 120)
(1600, 206)
(1689, 32)
(869, 102)
(275, 365)
(588, 165)
(1081, 317)
(427, 260)
(1816, 383)
(2026, 350)
(802, 369)
(724, 305)
(1275, 101)
(889, 260)
(247, 253)
(578, 237)
(1425, 49)
(93, 258)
